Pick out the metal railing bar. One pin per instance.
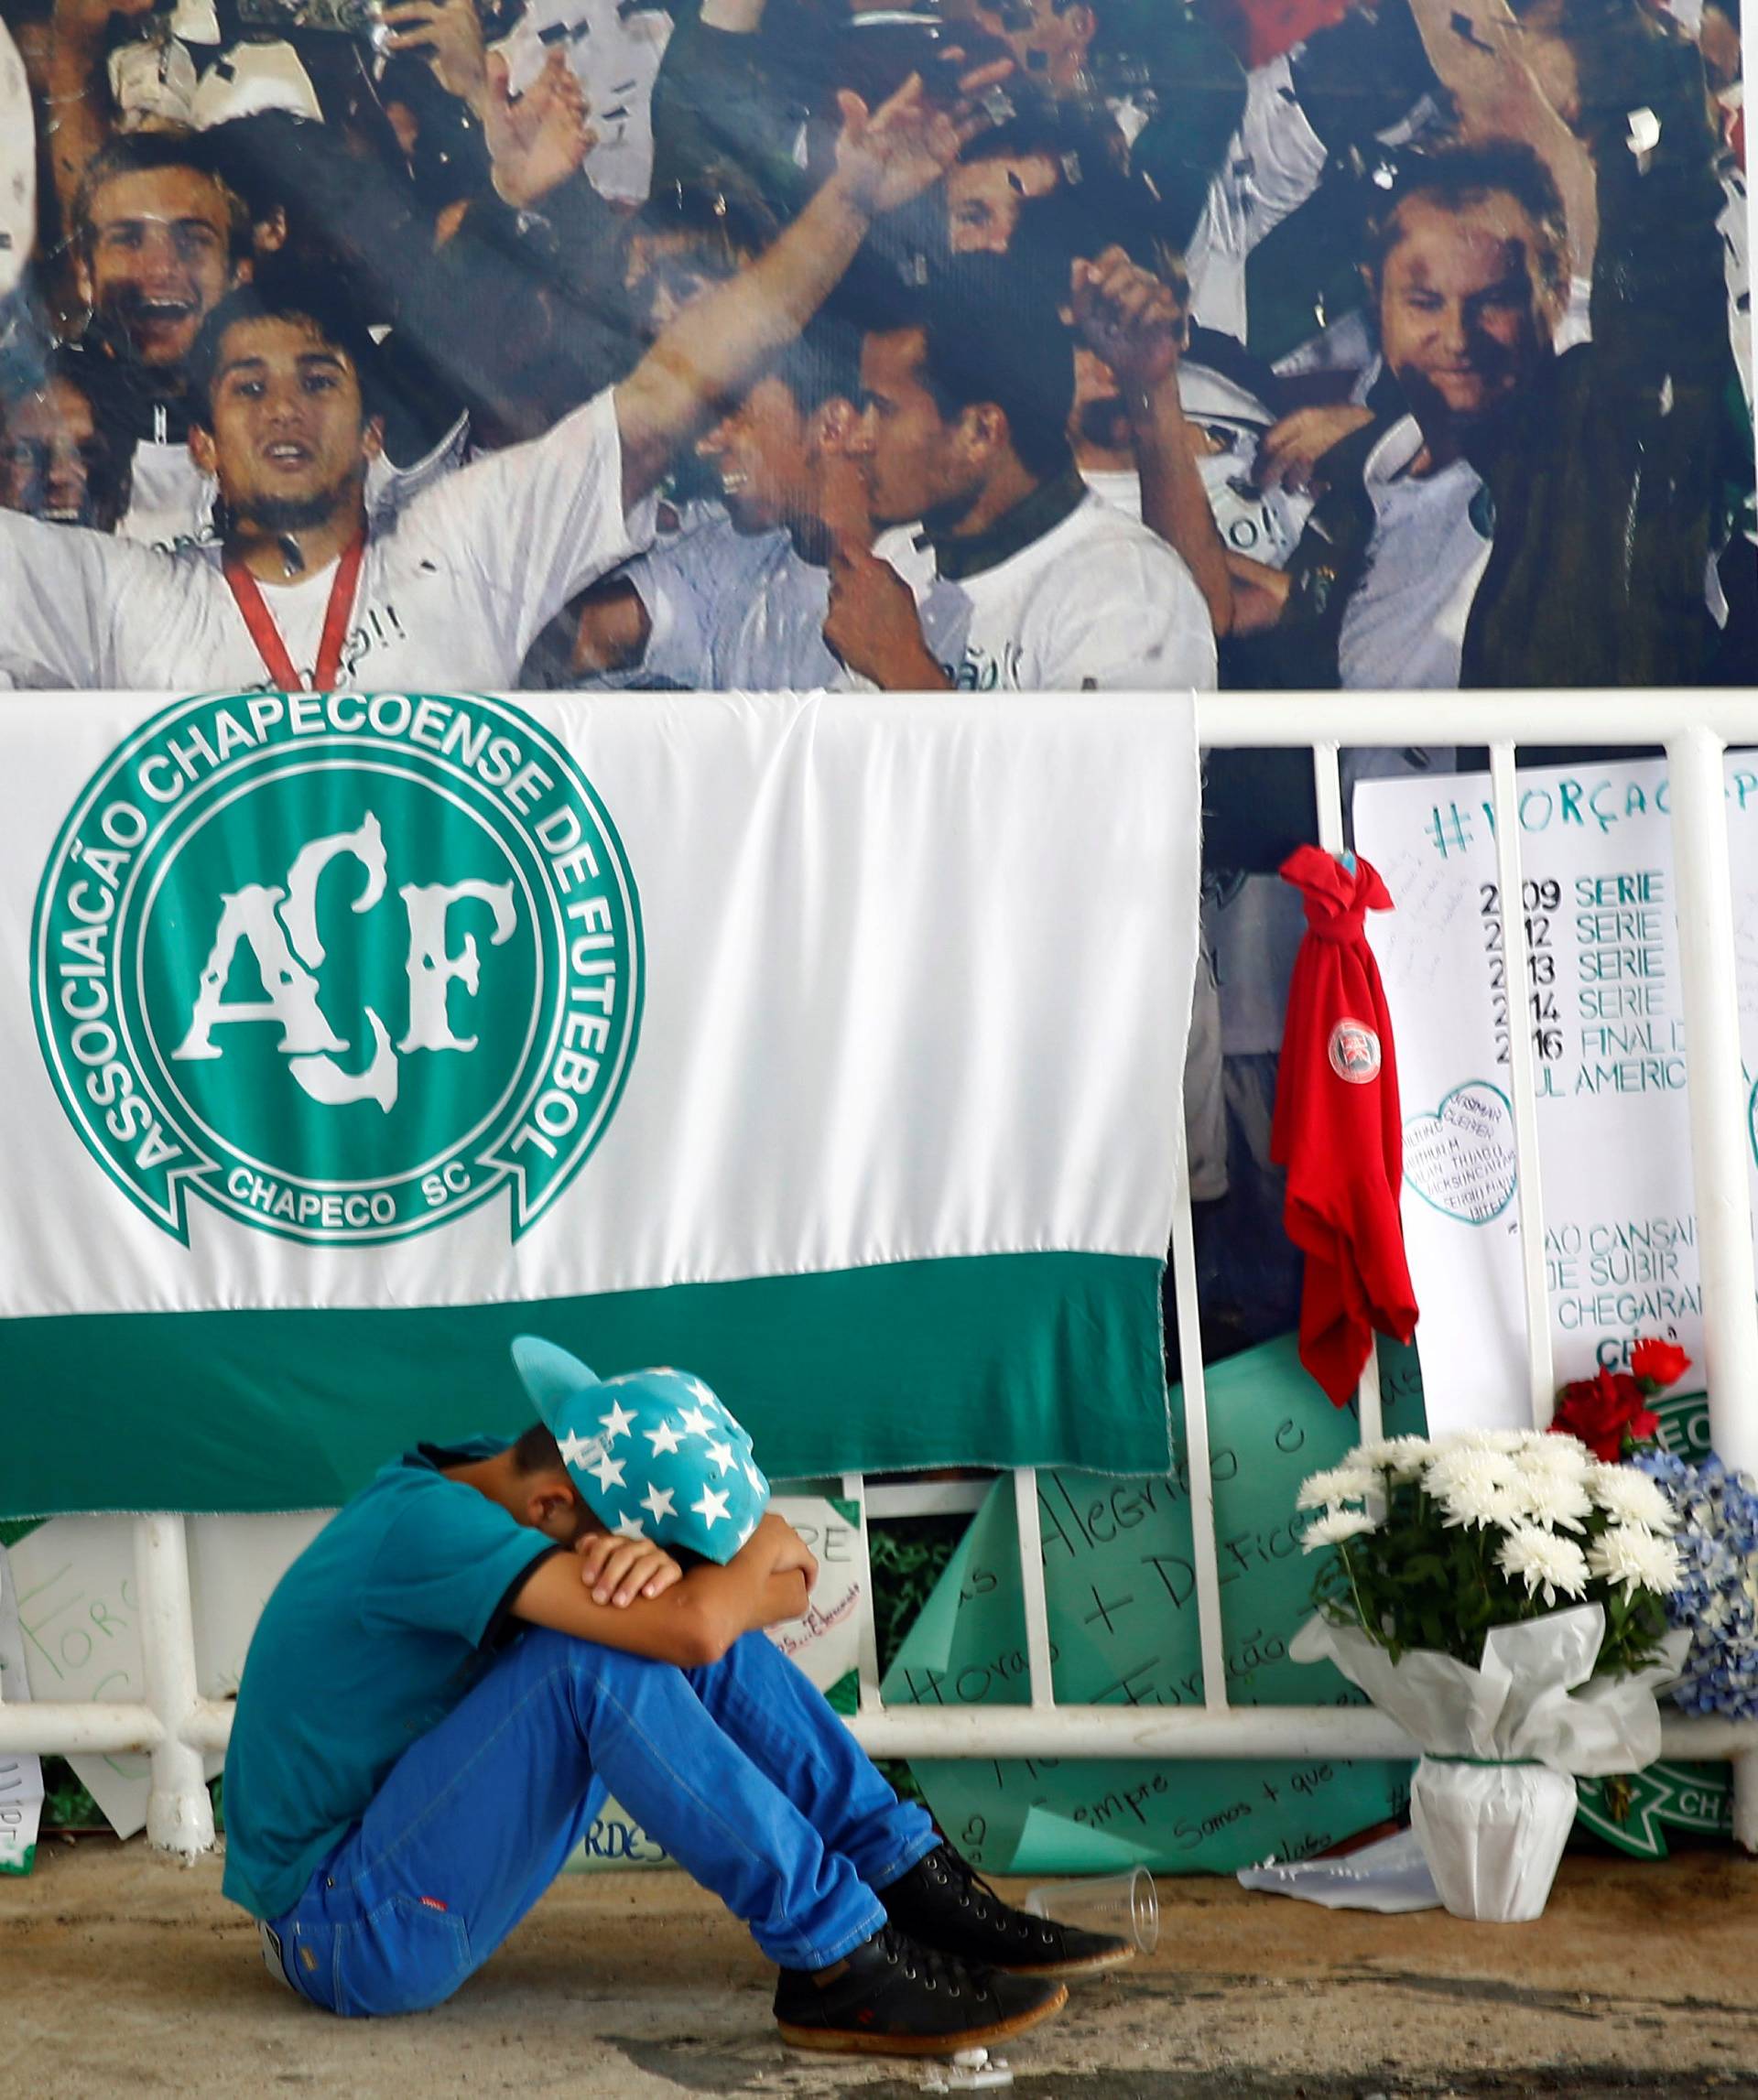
(1260, 721)
(927, 1499)
(1199, 1481)
(1173, 1732)
(1071, 1731)
(854, 1489)
(1031, 1582)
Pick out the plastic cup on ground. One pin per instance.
(1127, 1906)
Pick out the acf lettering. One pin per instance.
(280, 926)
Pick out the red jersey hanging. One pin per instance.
(1338, 1129)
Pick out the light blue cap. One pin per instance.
(656, 1454)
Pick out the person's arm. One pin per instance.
(697, 1619)
(60, 587)
(79, 90)
(1135, 323)
(724, 118)
(1259, 594)
(1292, 450)
(449, 35)
(884, 159)
(874, 629)
(1484, 59)
(872, 626)
(1635, 97)
(612, 630)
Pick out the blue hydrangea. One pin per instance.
(1717, 1594)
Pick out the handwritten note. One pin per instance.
(79, 1622)
(1600, 1000)
(1120, 1580)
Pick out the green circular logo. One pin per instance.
(343, 965)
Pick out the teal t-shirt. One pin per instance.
(373, 1634)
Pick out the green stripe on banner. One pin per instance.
(1015, 1359)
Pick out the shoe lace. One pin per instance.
(930, 1967)
(985, 1903)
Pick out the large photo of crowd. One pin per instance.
(1028, 344)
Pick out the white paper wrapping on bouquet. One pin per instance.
(1493, 1799)
(1521, 1701)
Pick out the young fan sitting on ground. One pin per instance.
(490, 1639)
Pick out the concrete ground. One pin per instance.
(122, 1973)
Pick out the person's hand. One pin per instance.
(840, 494)
(888, 156)
(538, 139)
(1134, 321)
(617, 1570)
(1289, 455)
(790, 1553)
(872, 627)
(449, 35)
(1260, 593)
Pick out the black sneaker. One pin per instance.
(942, 1902)
(895, 1999)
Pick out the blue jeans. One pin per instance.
(739, 1768)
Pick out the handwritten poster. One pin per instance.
(1121, 1587)
(21, 1774)
(79, 1621)
(1602, 1004)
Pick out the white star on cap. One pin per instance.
(608, 1472)
(664, 1438)
(657, 1502)
(755, 1478)
(745, 1534)
(578, 1450)
(722, 1454)
(630, 1527)
(712, 1507)
(617, 1422)
(695, 1422)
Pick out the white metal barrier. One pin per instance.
(176, 1726)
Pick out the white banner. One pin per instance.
(814, 983)
(1602, 1004)
(830, 1046)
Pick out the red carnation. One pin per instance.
(1603, 1411)
(1655, 1364)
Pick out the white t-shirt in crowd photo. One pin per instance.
(1097, 604)
(736, 612)
(451, 593)
(170, 500)
(17, 167)
(1272, 165)
(1265, 524)
(1404, 627)
(615, 49)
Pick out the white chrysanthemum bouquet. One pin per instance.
(1501, 1594)
(1433, 1543)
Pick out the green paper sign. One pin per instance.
(1120, 1584)
(1631, 1813)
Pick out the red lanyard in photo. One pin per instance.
(267, 635)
